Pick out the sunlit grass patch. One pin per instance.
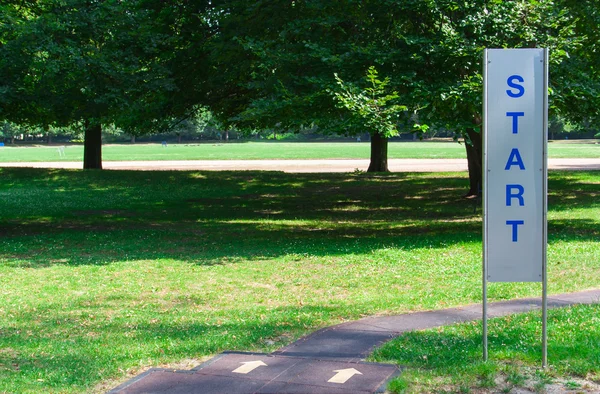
(105, 273)
(450, 358)
(272, 150)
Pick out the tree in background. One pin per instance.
(146, 65)
(578, 78)
(194, 126)
(274, 62)
(372, 109)
(77, 62)
(452, 92)
(9, 131)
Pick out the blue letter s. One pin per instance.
(510, 82)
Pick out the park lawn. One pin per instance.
(272, 150)
(238, 151)
(449, 359)
(106, 273)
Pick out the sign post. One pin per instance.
(515, 108)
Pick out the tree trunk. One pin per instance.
(133, 139)
(226, 135)
(475, 162)
(379, 154)
(179, 138)
(12, 139)
(49, 138)
(92, 147)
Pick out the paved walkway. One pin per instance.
(327, 361)
(300, 166)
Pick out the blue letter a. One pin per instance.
(514, 159)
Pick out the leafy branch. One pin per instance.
(373, 107)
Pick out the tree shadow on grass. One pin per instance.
(569, 190)
(204, 217)
(52, 217)
(63, 350)
(212, 217)
(573, 229)
(236, 242)
(229, 195)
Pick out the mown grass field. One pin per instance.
(106, 273)
(449, 358)
(273, 150)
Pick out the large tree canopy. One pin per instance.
(454, 87)
(579, 77)
(92, 63)
(276, 60)
(272, 63)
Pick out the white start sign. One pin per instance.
(515, 141)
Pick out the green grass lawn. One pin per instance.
(272, 150)
(450, 357)
(105, 273)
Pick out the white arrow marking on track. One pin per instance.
(343, 375)
(249, 366)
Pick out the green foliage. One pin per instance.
(145, 65)
(9, 130)
(290, 65)
(110, 63)
(514, 376)
(373, 107)
(398, 385)
(572, 385)
(431, 50)
(578, 75)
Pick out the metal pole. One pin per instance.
(485, 328)
(544, 323)
(485, 207)
(544, 224)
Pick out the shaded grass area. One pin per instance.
(272, 150)
(104, 273)
(449, 358)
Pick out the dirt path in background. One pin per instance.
(334, 165)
